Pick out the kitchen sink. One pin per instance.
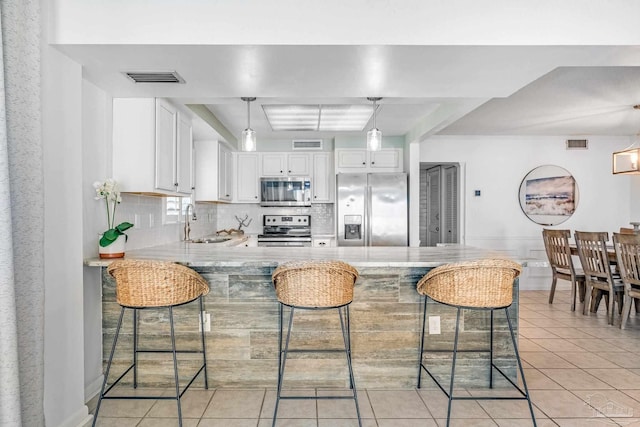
(218, 239)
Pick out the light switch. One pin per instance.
(434, 325)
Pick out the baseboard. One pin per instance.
(92, 389)
(79, 419)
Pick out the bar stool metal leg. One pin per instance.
(204, 347)
(524, 381)
(135, 348)
(424, 322)
(106, 374)
(283, 351)
(347, 349)
(453, 366)
(175, 365)
(282, 357)
(491, 351)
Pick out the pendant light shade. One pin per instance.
(626, 161)
(374, 136)
(248, 137)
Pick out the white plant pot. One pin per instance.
(114, 250)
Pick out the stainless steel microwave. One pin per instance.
(285, 191)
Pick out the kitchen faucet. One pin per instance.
(187, 227)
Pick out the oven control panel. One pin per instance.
(290, 220)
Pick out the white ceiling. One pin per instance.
(426, 90)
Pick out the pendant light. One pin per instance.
(626, 161)
(374, 136)
(248, 139)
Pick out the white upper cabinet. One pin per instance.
(361, 160)
(214, 172)
(298, 164)
(152, 147)
(323, 179)
(247, 178)
(286, 164)
(184, 151)
(274, 164)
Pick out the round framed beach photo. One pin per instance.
(549, 195)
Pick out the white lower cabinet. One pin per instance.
(323, 242)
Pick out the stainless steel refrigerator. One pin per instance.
(372, 209)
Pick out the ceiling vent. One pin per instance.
(577, 144)
(307, 144)
(154, 76)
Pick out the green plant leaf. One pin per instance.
(122, 227)
(109, 236)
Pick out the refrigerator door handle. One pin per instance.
(368, 217)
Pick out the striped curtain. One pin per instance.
(21, 217)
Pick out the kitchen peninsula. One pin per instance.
(242, 342)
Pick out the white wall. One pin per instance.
(496, 165)
(63, 241)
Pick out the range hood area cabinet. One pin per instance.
(286, 164)
(250, 167)
(356, 160)
(213, 171)
(152, 147)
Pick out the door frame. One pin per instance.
(461, 195)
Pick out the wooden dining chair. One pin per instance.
(556, 243)
(592, 250)
(627, 248)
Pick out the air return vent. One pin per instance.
(154, 76)
(577, 144)
(307, 144)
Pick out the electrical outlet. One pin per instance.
(211, 217)
(136, 221)
(434, 325)
(207, 322)
(151, 220)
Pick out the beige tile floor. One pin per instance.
(581, 372)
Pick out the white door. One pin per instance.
(433, 206)
(323, 181)
(274, 164)
(299, 164)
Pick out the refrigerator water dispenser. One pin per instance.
(353, 227)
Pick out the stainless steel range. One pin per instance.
(286, 230)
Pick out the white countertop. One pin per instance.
(213, 255)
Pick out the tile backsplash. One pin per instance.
(154, 224)
(321, 216)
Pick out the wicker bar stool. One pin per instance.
(144, 284)
(314, 285)
(473, 285)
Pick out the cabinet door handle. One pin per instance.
(315, 197)
(255, 197)
(289, 171)
(280, 171)
(364, 163)
(193, 188)
(175, 184)
(373, 163)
